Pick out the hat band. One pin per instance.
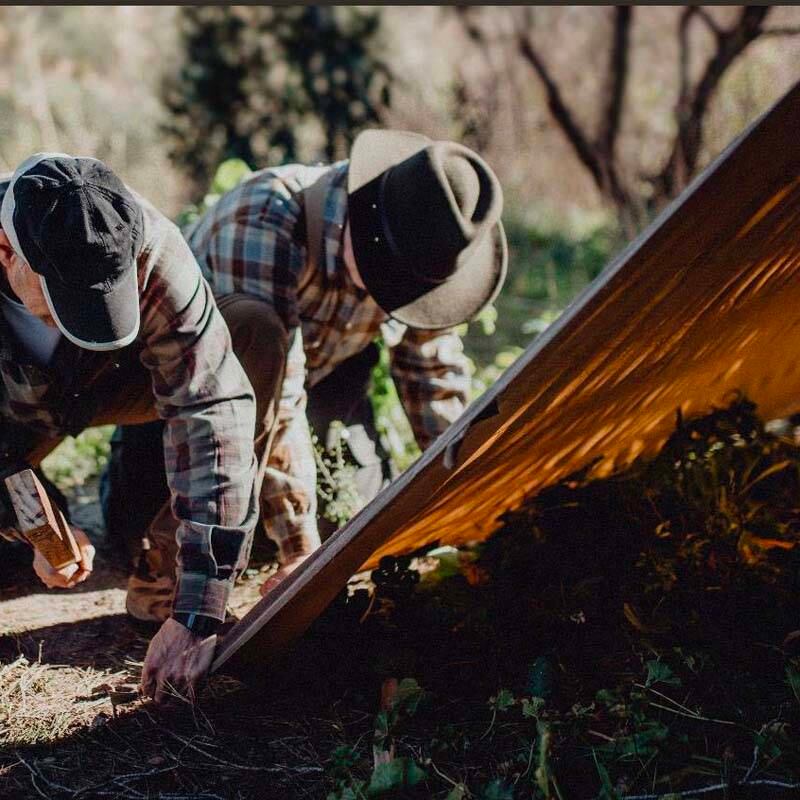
(386, 229)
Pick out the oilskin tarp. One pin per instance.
(704, 303)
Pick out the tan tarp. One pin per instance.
(705, 302)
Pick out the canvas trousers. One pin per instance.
(147, 526)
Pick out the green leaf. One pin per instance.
(457, 792)
(503, 700)
(497, 790)
(229, 174)
(409, 695)
(642, 743)
(381, 728)
(415, 774)
(532, 707)
(659, 672)
(395, 774)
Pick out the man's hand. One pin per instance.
(284, 571)
(66, 577)
(176, 663)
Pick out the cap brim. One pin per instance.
(93, 319)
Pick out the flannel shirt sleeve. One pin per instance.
(289, 491)
(248, 245)
(203, 394)
(431, 373)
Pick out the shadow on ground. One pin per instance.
(102, 643)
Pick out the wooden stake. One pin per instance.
(40, 522)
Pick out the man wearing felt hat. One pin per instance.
(404, 239)
(106, 318)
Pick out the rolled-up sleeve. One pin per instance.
(203, 394)
(431, 373)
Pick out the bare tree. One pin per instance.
(597, 150)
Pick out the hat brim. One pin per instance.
(93, 319)
(481, 269)
(475, 284)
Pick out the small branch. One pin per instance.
(696, 717)
(717, 787)
(691, 107)
(709, 20)
(618, 76)
(560, 111)
(684, 56)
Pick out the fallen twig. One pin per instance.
(717, 787)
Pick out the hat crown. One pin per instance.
(426, 229)
(463, 183)
(434, 204)
(76, 221)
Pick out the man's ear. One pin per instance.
(6, 250)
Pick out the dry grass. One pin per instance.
(45, 702)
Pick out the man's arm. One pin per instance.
(431, 373)
(202, 393)
(247, 243)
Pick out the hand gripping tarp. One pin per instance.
(705, 302)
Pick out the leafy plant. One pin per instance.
(336, 477)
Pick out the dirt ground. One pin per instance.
(616, 639)
(62, 652)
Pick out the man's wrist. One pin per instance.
(199, 624)
(197, 593)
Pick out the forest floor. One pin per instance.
(619, 638)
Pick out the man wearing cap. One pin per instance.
(404, 239)
(105, 318)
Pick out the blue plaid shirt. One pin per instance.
(254, 241)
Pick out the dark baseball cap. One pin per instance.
(80, 229)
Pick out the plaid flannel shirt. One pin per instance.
(199, 389)
(253, 240)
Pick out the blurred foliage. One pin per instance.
(80, 458)
(390, 418)
(229, 174)
(81, 80)
(272, 84)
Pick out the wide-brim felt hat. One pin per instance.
(425, 225)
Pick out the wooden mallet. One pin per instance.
(40, 522)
